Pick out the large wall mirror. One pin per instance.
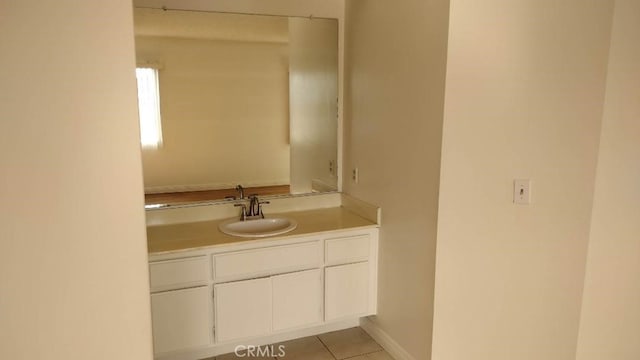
(228, 99)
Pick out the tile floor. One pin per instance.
(352, 344)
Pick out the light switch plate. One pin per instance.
(522, 191)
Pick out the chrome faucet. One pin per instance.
(240, 190)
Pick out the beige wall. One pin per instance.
(524, 94)
(73, 272)
(610, 322)
(225, 114)
(396, 57)
(313, 97)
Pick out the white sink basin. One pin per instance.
(258, 227)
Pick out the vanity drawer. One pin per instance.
(266, 261)
(347, 249)
(178, 273)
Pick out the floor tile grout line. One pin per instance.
(364, 354)
(326, 347)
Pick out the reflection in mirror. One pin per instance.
(242, 99)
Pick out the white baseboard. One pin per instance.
(387, 342)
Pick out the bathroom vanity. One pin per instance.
(211, 292)
(274, 79)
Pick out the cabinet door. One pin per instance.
(297, 299)
(181, 319)
(243, 309)
(346, 290)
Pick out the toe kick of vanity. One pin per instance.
(207, 301)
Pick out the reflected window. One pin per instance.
(149, 108)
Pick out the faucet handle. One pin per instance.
(260, 203)
(254, 205)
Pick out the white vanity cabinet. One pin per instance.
(250, 308)
(268, 260)
(346, 290)
(206, 301)
(284, 290)
(297, 299)
(349, 276)
(180, 303)
(181, 319)
(243, 309)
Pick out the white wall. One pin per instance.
(396, 59)
(524, 99)
(610, 322)
(73, 271)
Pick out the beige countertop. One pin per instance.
(163, 239)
